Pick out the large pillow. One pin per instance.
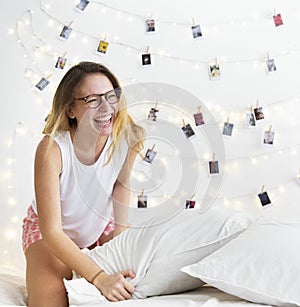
(262, 264)
(158, 251)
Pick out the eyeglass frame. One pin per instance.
(118, 92)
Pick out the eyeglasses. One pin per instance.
(93, 101)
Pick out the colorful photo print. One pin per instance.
(42, 84)
(196, 30)
(213, 167)
(264, 198)
(190, 204)
(227, 129)
(152, 114)
(65, 33)
(61, 62)
(150, 25)
(271, 66)
(142, 201)
(278, 20)
(269, 137)
(250, 120)
(259, 114)
(214, 71)
(199, 119)
(82, 5)
(102, 47)
(188, 130)
(150, 155)
(146, 59)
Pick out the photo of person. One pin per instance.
(42, 84)
(150, 25)
(271, 65)
(146, 59)
(102, 47)
(188, 130)
(199, 119)
(152, 114)
(82, 5)
(269, 137)
(214, 71)
(61, 62)
(142, 201)
(196, 30)
(264, 198)
(150, 155)
(258, 112)
(227, 129)
(190, 204)
(65, 33)
(213, 167)
(250, 120)
(277, 20)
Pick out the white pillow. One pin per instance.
(158, 251)
(262, 264)
(12, 288)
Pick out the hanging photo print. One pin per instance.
(150, 155)
(41, 85)
(65, 33)
(152, 114)
(187, 130)
(258, 112)
(142, 201)
(277, 20)
(150, 25)
(264, 198)
(213, 167)
(196, 31)
(146, 59)
(214, 71)
(102, 47)
(80, 7)
(61, 62)
(190, 204)
(198, 117)
(271, 66)
(227, 128)
(250, 120)
(269, 136)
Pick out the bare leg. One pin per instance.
(44, 277)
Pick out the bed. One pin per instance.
(241, 261)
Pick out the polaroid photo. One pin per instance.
(102, 47)
(259, 114)
(146, 59)
(65, 33)
(196, 31)
(150, 25)
(198, 117)
(277, 20)
(152, 114)
(142, 201)
(264, 198)
(150, 155)
(214, 71)
(214, 167)
(269, 137)
(41, 85)
(188, 131)
(227, 129)
(190, 204)
(80, 7)
(61, 62)
(271, 66)
(250, 120)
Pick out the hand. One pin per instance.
(115, 287)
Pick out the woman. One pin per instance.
(81, 176)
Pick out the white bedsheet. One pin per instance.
(13, 293)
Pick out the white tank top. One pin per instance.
(85, 191)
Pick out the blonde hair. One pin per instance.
(58, 119)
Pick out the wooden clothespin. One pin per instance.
(70, 23)
(65, 53)
(227, 122)
(183, 123)
(105, 37)
(251, 109)
(262, 189)
(49, 76)
(142, 193)
(151, 16)
(268, 56)
(148, 49)
(192, 196)
(214, 155)
(216, 61)
(257, 104)
(156, 103)
(269, 131)
(193, 22)
(198, 109)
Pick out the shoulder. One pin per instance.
(48, 153)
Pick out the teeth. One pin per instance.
(104, 118)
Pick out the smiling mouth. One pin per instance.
(104, 120)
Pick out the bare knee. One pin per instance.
(44, 277)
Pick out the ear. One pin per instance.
(69, 112)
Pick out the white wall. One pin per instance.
(239, 34)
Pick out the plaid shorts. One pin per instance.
(31, 229)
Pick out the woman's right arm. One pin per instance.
(47, 168)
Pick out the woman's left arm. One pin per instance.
(121, 193)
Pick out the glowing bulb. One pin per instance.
(11, 201)
(11, 31)
(15, 219)
(253, 160)
(281, 189)
(10, 234)
(10, 161)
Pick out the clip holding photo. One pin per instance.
(264, 197)
(187, 130)
(142, 200)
